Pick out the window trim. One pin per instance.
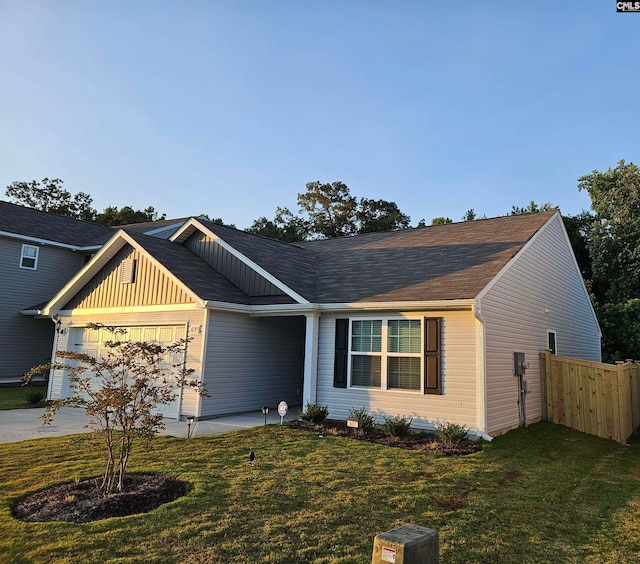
(24, 256)
(385, 354)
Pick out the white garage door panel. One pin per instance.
(91, 342)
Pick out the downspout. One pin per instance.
(184, 366)
(481, 372)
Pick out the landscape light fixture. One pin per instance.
(265, 410)
(189, 421)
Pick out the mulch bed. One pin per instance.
(414, 441)
(82, 502)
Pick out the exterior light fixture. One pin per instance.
(265, 410)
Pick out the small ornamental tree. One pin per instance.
(121, 392)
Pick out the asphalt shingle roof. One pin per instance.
(441, 262)
(28, 222)
(196, 274)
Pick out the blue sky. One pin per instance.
(230, 107)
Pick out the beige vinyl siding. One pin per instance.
(194, 318)
(25, 341)
(543, 276)
(150, 287)
(456, 404)
(253, 362)
(233, 269)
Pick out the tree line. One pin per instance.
(605, 239)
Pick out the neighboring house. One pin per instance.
(39, 253)
(421, 323)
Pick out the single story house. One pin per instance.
(421, 323)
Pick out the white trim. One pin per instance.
(128, 309)
(47, 242)
(196, 225)
(157, 230)
(464, 304)
(310, 379)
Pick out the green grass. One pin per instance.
(15, 397)
(541, 494)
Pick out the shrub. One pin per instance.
(397, 426)
(366, 422)
(315, 413)
(34, 397)
(451, 434)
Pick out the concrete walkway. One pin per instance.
(24, 424)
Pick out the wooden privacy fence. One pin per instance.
(600, 399)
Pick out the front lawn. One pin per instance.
(541, 494)
(15, 397)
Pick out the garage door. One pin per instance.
(91, 342)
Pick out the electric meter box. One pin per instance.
(519, 364)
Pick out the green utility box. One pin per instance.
(409, 544)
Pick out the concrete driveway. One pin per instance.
(24, 424)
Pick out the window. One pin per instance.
(551, 336)
(404, 347)
(29, 257)
(388, 354)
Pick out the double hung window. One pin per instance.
(29, 257)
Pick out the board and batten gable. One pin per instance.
(251, 362)
(457, 403)
(230, 266)
(541, 290)
(193, 321)
(150, 285)
(27, 340)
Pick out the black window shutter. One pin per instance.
(432, 355)
(341, 354)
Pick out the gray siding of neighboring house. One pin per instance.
(252, 362)
(457, 404)
(25, 341)
(541, 291)
(233, 269)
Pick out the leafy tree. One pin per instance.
(579, 231)
(422, 223)
(112, 216)
(121, 391)
(615, 237)
(441, 220)
(331, 209)
(469, 215)
(533, 208)
(220, 221)
(380, 215)
(620, 325)
(50, 196)
(285, 227)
